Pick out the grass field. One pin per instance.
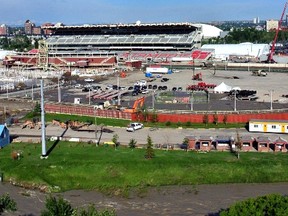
(85, 166)
(123, 123)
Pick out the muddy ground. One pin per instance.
(197, 200)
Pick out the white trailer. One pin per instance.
(159, 70)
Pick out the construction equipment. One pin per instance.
(61, 124)
(259, 73)
(197, 77)
(137, 104)
(29, 124)
(272, 50)
(103, 105)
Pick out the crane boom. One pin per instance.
(270, 57)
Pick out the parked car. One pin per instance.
(134, 126)
(78, 86)
(145, 91)
(164, 79)
(89, 80)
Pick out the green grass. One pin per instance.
(84, 166)
(123, 123)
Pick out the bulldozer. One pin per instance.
(197, 77)
(28, 124)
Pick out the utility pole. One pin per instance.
(59, 91)
(235, 105)
(271, 99)
(43, 129)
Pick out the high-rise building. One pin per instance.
(4, 30)
(271, 25)
(28, 26)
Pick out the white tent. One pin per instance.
(222, 87)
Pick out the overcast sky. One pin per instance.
(16, 12)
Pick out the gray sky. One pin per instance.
(16, 12)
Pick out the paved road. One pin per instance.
(160, 136)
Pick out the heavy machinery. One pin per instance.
(259, 73)
(137, 104)
(197, 77)
(272, 50)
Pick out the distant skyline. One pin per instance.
(70, 12)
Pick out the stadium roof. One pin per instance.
(139, 24)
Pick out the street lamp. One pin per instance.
(89, 99)
(271, 99)
(59, 90)
(119, 90)
(235, 104)
(192, 100)
(95, 122)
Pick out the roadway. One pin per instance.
(160, 136)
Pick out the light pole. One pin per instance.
(119, 90)
(89, 99)
(192, 100)
(32, 90)
(235, 104)
(7, 85)
(59, 90)
(271, 99)
(95, 122)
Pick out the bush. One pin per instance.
(132, 143)
(6, 203)
(149, 150)
(56, 206)
(92, 211)
(273, 204)
(188, 124)
(61, 207)
(168, 123)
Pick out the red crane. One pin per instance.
(272, 50)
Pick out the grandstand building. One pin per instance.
(106, 45)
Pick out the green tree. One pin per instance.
(115, 139)
(238, 144)
(215, 118)
(273, 204)
(37, 110)
(149, 149)
(56, 206)
(225, 118)
(205, 119)
(92, 211)
(154, 117)
(6, 203)
(132, 143)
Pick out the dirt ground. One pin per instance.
(197, 200)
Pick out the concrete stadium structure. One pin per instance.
(103, 45)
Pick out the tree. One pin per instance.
(6, 203)
(238, 144)
(115, 139)
(225, 118)
(92, 211)
(273, 204)
(61, 207)
(154, 117)
(132, 143)
(215, 118)
(205, 119)
(149, 149)
(56, 206)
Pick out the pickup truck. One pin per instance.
(134, 126)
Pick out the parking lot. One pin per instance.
(272, 86)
